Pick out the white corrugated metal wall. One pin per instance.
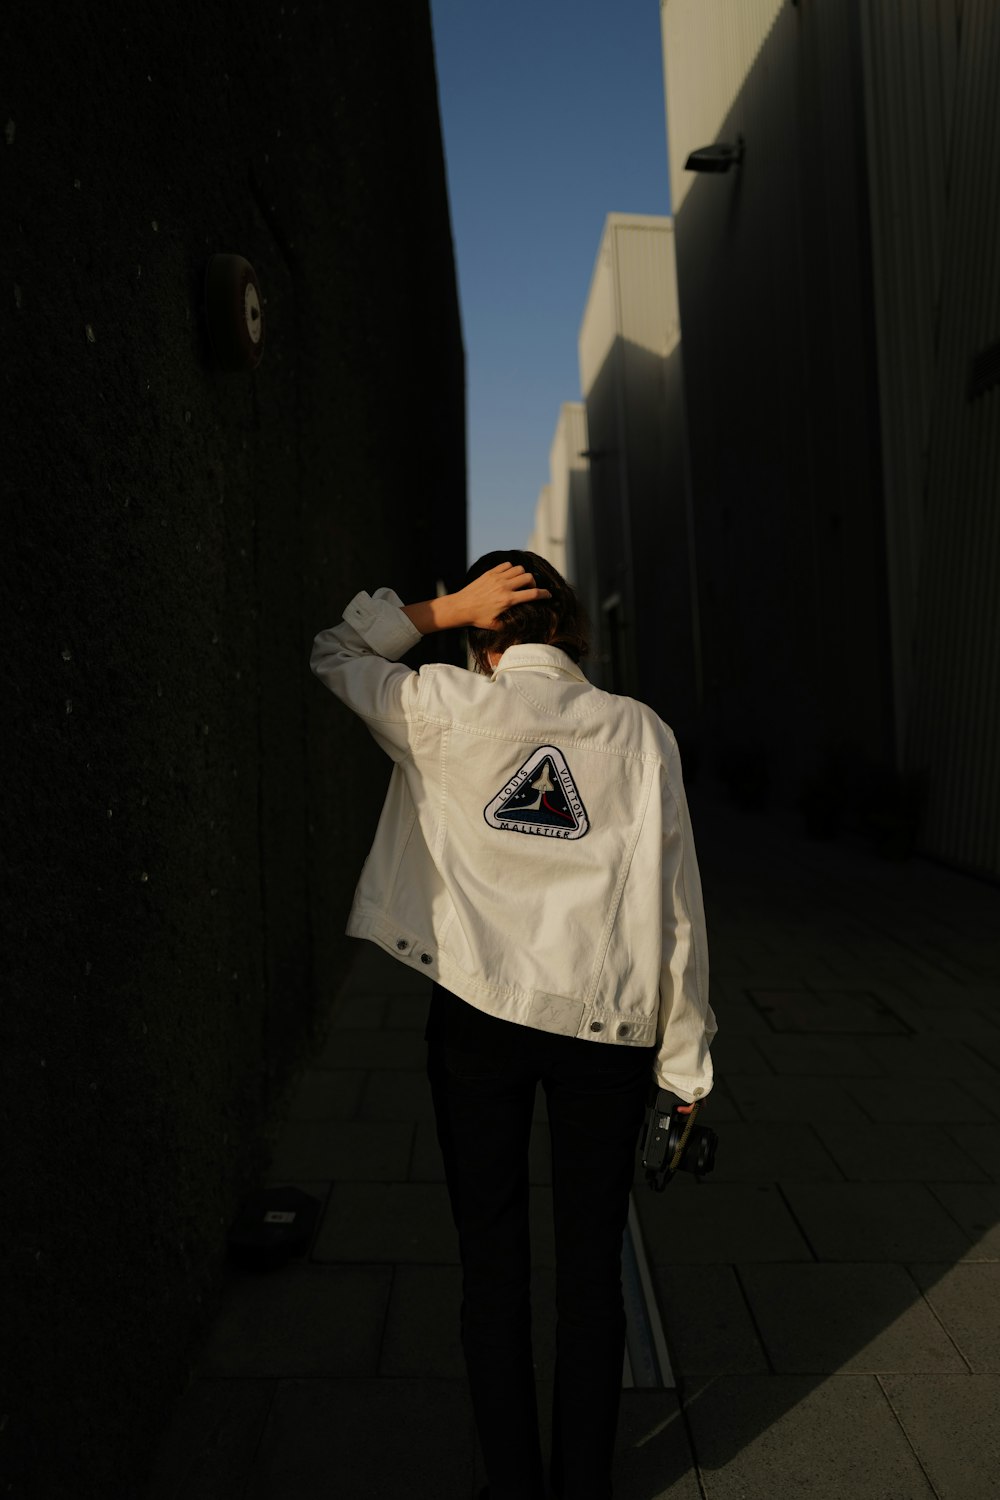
(540, 539)
(581, 562)
(601, 384)
(630, 375)
(933, 104)
(712, 48)
(779, 379)
(568, 474)
(567, 470)
(910, 57)
(833, 293)
(657, 492)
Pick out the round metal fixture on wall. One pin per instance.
(234, 312)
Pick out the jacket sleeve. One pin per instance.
(357, 661)
(687, 1023)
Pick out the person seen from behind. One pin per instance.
(535, 859)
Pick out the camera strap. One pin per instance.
(675, 1161)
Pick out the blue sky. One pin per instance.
(553, 117)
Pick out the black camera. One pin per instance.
(672, 1142)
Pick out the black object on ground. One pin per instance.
(272, 1225)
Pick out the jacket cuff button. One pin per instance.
(623, 1031)
(425, 958)
(402, 944)
(597, 1025)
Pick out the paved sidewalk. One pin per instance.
(830, 1295)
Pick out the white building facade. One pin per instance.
(841, 316)
(643, 564)
(561, 502)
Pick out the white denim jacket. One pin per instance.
(534, 854)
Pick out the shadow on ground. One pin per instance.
(830, 1296)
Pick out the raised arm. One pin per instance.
(479, 602)
(358, 659)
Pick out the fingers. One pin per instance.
(519, 578)
(513, 573)
(520, 595)
(519, 584)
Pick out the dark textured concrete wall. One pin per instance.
(187, 808)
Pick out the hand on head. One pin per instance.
(486, 597)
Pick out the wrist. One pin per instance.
(434, 614)
(450, 612)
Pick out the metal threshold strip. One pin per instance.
(646, 1365)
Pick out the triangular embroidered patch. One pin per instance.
(540, 798)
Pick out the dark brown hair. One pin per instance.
(559, 621)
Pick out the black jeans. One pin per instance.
(483, 1073)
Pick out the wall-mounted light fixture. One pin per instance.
(234, 311)
(717, 158)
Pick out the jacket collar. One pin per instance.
(535, 657)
